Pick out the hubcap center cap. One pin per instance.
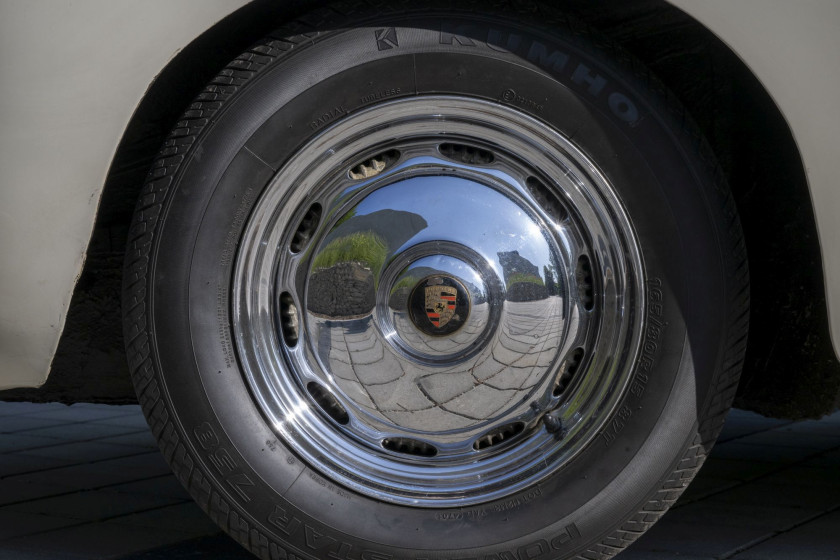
(439, 305)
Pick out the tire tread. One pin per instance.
(280, 44)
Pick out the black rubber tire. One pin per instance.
(274, 97)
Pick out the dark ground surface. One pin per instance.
(87, 482)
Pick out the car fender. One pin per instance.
(66, 97)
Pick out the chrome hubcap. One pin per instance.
(437, 302)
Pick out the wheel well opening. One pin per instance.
(747, 132)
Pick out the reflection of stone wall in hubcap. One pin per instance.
(439, 305)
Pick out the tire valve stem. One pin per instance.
(554, 425)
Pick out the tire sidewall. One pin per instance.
(553, 79)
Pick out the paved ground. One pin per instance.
(87, 482)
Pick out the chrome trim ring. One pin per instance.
(478, 195)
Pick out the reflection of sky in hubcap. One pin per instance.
(460, 210)
(431, 371)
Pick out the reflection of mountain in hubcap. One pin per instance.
(439, 305)
(374, 379)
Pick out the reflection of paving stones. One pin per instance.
(429, 397)
(445, 386)
(487, 368)
(448, 343)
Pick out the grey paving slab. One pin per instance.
(22, 442)
(11, 464)
(16, 490)
(694, 540)
(10, 554)
(13, 424)
(143, 439)
(829, 459)
(84, 452)
(762, 494)
(817, 540)
(219, 547)
(88, 542)
(741, 422)
(767, 453)
(802, 475)
(737, 469)
(705, 486)
(135, 467)
(166, 485)
(788, 438)
(637, 553)
(81, 431)
(134, 421)
(767, 518)
(91, 505)
(101, 473)
(75, 413)
(24, 408)
(16, 524)
(186, 518)
(828, 428)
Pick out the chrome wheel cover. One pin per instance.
(437, 302)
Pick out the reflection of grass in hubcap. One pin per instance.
(363, 247)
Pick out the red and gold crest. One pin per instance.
(440, 304)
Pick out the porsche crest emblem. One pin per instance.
(440, 304)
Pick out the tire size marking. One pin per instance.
(617, 424)
(225, 261)
(654, 326)
(235, 229)
(596, 85)
(480, 513)
(224, 330)
(381, 94)
(468, 515)
(327, 117)
(650, 343)
(518, 501)
(332, 488)
(222, 460)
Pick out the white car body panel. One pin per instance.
(74, 72)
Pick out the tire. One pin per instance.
(501, 214)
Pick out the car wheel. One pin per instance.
(426, 283)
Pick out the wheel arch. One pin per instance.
(755, 144)
(745, 127)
